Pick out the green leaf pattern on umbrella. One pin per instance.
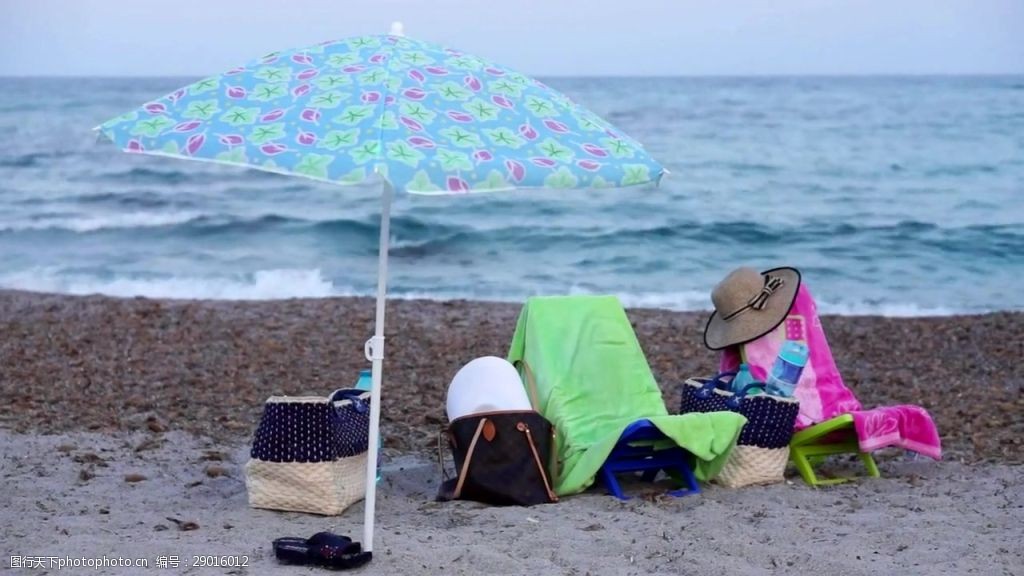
(202, 109)
(429, 118)
(366, 152)
(504, 138)
(203, 86)
(331, 99)
(267, 133)
(562, 178)
(404, 153)
(152, 126)
(239, 116)
(314, 165)
(233, 156)
(337, 139)
(461, 138)
(331, 81)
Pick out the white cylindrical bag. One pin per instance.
(486, 384)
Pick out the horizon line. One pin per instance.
(584, 76)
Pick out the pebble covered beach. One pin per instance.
(101, 364)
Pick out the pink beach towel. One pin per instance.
(821, 391)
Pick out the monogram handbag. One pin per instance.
(501, 458)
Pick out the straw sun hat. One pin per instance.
(749, 305)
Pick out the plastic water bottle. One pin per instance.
(742, 378)
(365, 382)
(786, 370)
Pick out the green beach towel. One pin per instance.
(592, 381)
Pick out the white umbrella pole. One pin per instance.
(375, 354)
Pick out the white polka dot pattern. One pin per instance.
(300, 430)
(762, 449)
(309, 453)
(770, 419)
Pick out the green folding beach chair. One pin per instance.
(830, 438)
(586, 373)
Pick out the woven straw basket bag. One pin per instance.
(762, 450)
(309, 453)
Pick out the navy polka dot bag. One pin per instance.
(762, 449)
(309, 453)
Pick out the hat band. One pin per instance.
(758, 302)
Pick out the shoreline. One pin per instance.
(630, 302)
(102, 364)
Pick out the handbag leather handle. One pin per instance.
(524, 428)
(531, 384)
(465, 464)
(531, 389)
(440, 454)
(469, 458)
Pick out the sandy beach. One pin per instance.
(166, 393)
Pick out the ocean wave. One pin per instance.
(409, 230)
(262, 285)
(189, 173)
(419, 236)
(144, 175)
(214, 224)
(694, 301)
(404, 226)
(85, 223)
(738, 231)
(282, 284)
(890, 309)
(31, 159)
(139, 199)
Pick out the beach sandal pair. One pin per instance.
(323, 549)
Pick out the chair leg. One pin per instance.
(690, 485)
(869, 463)
(803, 465)
(612, 483)
(681, 473)
(806, 457)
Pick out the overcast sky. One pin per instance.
(541, 37)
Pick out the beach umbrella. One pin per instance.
(421, 118)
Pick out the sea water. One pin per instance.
(899, 196)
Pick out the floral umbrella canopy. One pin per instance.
(426, 119)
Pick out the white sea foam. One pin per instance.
(262, 285)
(695, 301)
(94, 222)
(281, 284)
(890, 309)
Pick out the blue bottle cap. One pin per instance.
(365, 381)
(794, 353)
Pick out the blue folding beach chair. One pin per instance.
(635, 452)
